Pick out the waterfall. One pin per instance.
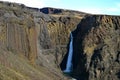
(70, 54)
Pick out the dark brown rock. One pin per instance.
(49, 10)
(96, 48)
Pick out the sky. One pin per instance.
(110, 7)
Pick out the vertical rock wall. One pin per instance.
(18, 35)
(96, 48)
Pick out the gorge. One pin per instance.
(35, 44)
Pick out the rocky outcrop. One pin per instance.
(49, 10)
(96, 48)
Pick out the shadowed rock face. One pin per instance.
(96, 48)
(49, 10)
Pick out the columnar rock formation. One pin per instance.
(32, 44)
(18, 34)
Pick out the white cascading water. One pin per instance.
(70, 54)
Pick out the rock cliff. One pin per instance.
(32, 44)
(96, 49)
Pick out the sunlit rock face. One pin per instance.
(33, 42)
(18, 32)
(96, 49)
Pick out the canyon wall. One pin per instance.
(32, 42)
(96, 48)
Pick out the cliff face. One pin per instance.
(96, 48)
(32, 44)
(18, 32)
(53, 36)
